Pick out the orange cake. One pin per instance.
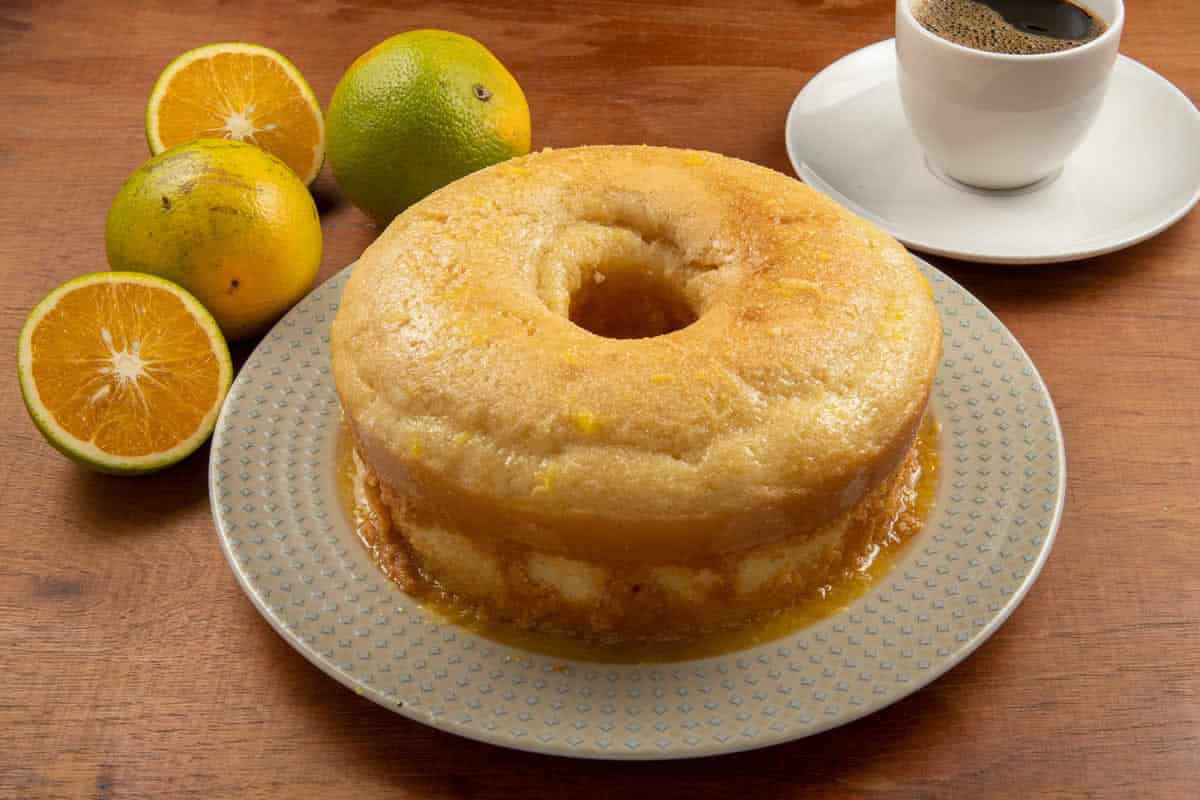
(632, 392)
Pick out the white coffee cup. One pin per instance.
(1001, 121)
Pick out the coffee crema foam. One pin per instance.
(972, 24)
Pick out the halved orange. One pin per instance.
(123, 371)
(246, 92)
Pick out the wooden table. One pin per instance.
(132, 665)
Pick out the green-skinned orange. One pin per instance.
(418, 111)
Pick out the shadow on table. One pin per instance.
(1026, 286)
(859, 757)
(1039, 287)
(326, 196)
(131, 505)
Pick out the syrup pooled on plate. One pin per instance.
(869, 568)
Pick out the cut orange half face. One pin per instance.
(246, 92)
(122, 371)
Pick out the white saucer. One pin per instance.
(1137, 172)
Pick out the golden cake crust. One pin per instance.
(487, 411)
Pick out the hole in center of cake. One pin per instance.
(629, 304)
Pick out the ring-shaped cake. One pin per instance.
(633, 392)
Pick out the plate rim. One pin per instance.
(559, 749)
(814, 179)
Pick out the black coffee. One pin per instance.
(1019, 27)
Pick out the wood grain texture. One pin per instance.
(133, 666)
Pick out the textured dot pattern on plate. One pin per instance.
(274, 496)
